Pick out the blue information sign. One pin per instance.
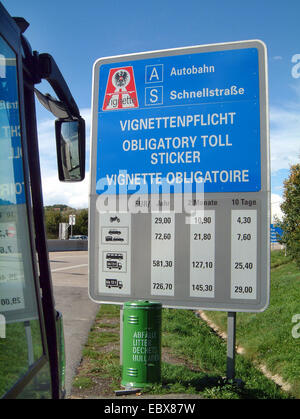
(180, 121)
(191, 122)
(275, 233)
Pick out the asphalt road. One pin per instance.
(70, 287)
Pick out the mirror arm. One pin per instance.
(50, 72)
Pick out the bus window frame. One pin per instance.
(12, 35)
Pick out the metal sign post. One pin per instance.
(72, 222)
(231, 328)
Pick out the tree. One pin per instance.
(81, 226)
(52, 220)
(59, 213)
(291, 209)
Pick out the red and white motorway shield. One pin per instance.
(120, 90)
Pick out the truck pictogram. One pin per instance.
(113, 264)
(113, 283)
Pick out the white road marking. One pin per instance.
(68, 267)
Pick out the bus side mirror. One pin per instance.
(70, 147)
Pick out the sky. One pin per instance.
(77, 33)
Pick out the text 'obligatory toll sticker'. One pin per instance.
(180, 122)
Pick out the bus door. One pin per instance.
(24, 361)
(31, 333)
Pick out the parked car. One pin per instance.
(79, 237)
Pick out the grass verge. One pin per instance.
(268, 337)
(99, 372)
(194, 356)
(14, 352)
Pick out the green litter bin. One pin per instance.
(141, 343)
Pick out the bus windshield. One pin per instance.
(20, 326)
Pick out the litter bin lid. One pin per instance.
(145, 304)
